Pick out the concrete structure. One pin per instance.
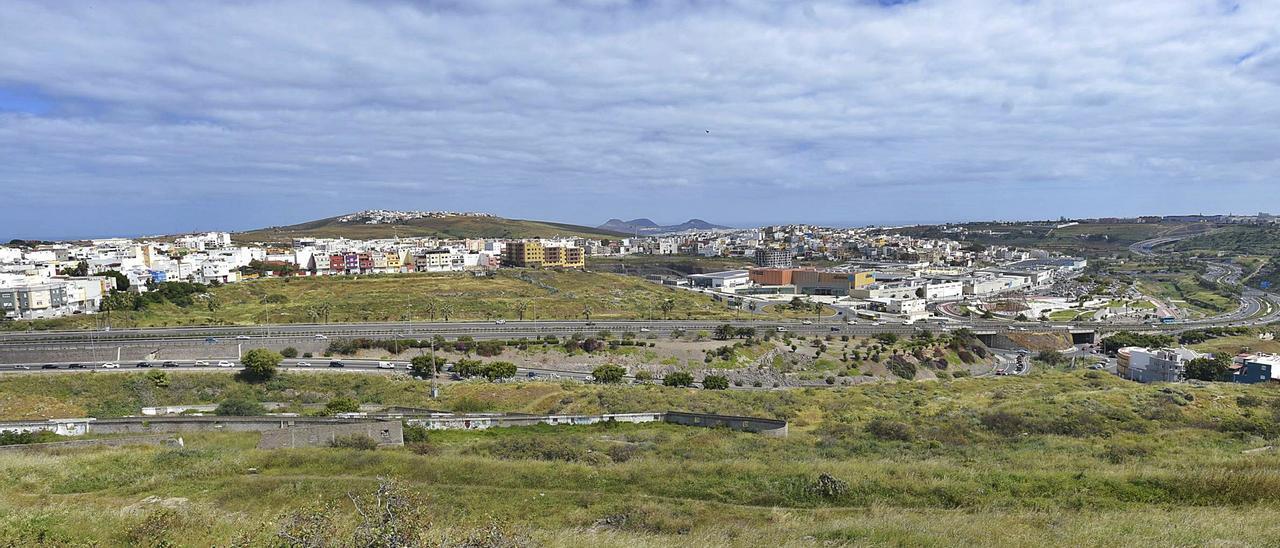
(1147, 365)
(42, 300)
(533, 254)
(1255, 368)
(386, 433)
(163, 440)
(828, 282)
(296, 431)
(772, 258)
(727, 280)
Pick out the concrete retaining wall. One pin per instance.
(386, 433)
(139, 425)
(158, 439)
(768, 427)
(272, 426)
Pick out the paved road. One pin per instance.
(300, 364)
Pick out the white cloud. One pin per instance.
(540, 109)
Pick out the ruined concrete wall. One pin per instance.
(768, 427)
(164, 440)
(386, 433)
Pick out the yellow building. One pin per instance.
(532, 254)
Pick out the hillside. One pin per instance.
(1236, 240)
(1051, 459)
(1081, 239)
(436, 227)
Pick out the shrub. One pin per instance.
(715, 382)
(890, 430)
(341, 405)
(354, 441)
(289, 352)
(239, 407)
(644, 376)
(678, 378)
(827, 487)
(414, 433)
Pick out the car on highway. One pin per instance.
(781, 329)
(906, 322)
(111, 365)
(49, 366)
(243, 337)
(336, 363)
(75, 366)
(834, 328)
(500, 321)
(875, 323)
(386, 365)
(201, 363)
(169, 364)
(143, 364)
(210, 340)
(225, 363)
(851, 322)
(321, 337)
(644, 329)
(531, 374)
(807, 322)
(303, 364)
(591, 323)
(22, 366)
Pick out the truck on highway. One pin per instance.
(386, 365)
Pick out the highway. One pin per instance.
(299, 364)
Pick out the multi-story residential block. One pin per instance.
(533, 254)
(42, 300)
(772, 258)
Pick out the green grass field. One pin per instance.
(1050, 459)
(395, 297)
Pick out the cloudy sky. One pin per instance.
(120, 118)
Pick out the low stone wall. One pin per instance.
(482, 422)
(164, 440)
(141, 425)
(386, 433)
(768, 427)
(272, 425)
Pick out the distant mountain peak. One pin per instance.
(648, 227)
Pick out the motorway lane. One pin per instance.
(318, 364)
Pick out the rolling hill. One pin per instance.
(459, 226)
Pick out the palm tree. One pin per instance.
(667, 305)
(521, 307)
(445, 310)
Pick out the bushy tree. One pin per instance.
(422, 366)
(259, 364)
(289, 352)
(678, 378)
(715, 382)
(1209, 368)
(609, 373)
